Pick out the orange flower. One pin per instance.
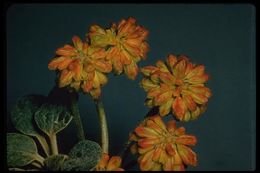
(112, 164)
(162, 147)
(176, 85)
(81, 67)
(125, 44)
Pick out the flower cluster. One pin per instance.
(81, 66)
(109, 164)
(84, 65)
(176, 85)
(125, 44)
(162, 147)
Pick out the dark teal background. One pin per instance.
(222, 37)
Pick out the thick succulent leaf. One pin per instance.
(55, 162)
(21, 150)
(83, 157)
(52, 118)
(23, 112)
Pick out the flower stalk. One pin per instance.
(54, 146)
(103, 125)
(76, 116)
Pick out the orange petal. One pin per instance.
(87, 86)
(118, 66)
(147, 84)
(103, 162)
(199, 98)
(97, 53)
(152, 125)
(114, 163)
(148, 70)
(161, 65)
(144, 50)
(156, 154)
(96, 29)
(125, 57)
(179, 69)
(163, 157)
(179, 131)
(170, 149)
(102, 78)
(126, 25)
(167, 78)
(85, 48)
(189, 102)
(163, 98)
(134, 51)
(65, 63)
(199, 110)
(67, 50)
(199, 79)
(186, 140)
(197, 71)
(77, 42)
(169, 164)
(171, 60)
(179, 108)
(103, 66)
(134, 42)
(171, 126)
(65, 78)
(96, 82)
(156, 167)
(178, 167)
(145, 132)
(145, 150)
(131, 70)
(189, 68)
(200, 90)
(148, 142)
(187, 116)
(165, 108)
(165, 87)
(187, 155)
(146, 162)
(54, 63)
(153, 92)
(76, 67)
(155, 77)
(158, 120)
(88, 67)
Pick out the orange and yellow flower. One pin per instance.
(125, 44)
(109, 164)
(162, 147)
(81, 66)
(176, 85)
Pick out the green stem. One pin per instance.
(103, 125)
(39, 158)
(54, 146)
(76, 117)
(36, 164)
(44, 144)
